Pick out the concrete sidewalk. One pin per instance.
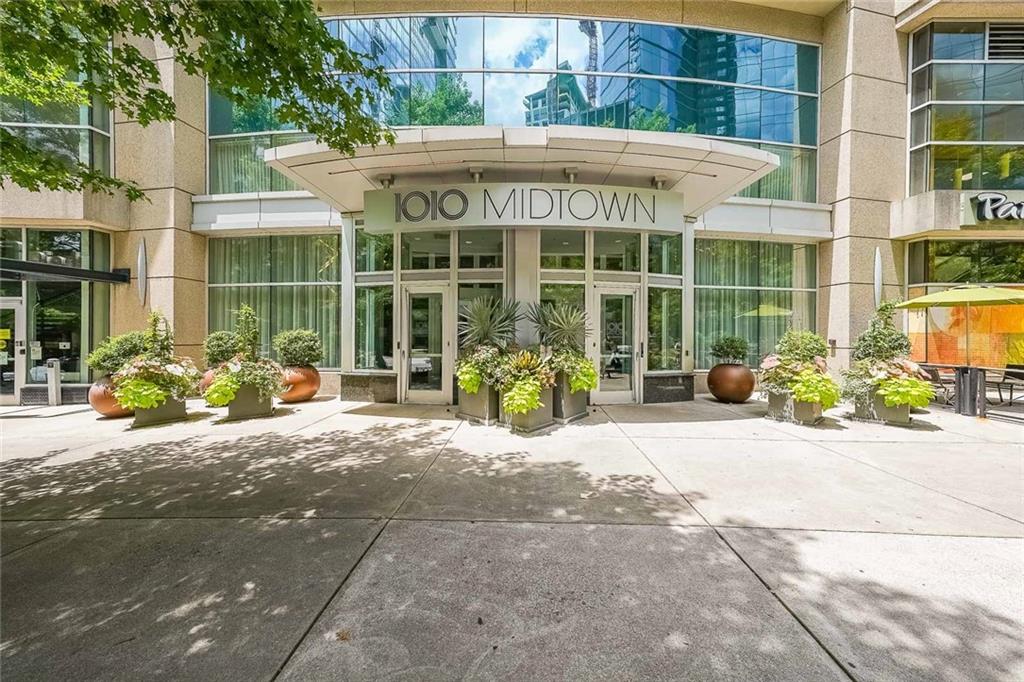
(352, 541)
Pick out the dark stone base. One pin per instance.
(372, 388)
(668, 388)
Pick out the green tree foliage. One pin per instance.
(249, 50)
(882, 340)
(247, 333)
(450, 103)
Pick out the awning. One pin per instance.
(706, 172)
(13, 269)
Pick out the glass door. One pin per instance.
(426, 346)
(616, 348)
(12, 353)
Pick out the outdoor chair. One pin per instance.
(1010, 378)
(943, 385)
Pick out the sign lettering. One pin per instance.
(996, 206)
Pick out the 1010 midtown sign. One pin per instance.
(522, 205)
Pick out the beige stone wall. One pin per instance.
(168, 161)
(862, 161)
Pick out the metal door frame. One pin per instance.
(405, 394)
(634, 396)
(17, 349)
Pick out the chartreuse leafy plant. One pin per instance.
(115, 352)
(525, 375)
(299, 347)
(487, 328)
(156, 375)
(246, 368)
(811, 386)
(563, 328)
(906, 391)
(249, 51)
(798, 366)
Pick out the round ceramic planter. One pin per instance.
(731, 383)
(101, 399)
(301, 384)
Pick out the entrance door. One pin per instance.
(12, 353)
(616, 346)
(426, 346)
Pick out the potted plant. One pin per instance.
(111, 355)
(486, 329)
(795, 379)
(562, 328)
(730, 381)
(218, 348)
(526, 384)
(247, 383)
(299, 350)
(882, 382)
(155, 383)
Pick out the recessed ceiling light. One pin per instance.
(618, 241)
(469, 241)
(565, 243)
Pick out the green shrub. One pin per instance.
(811, 386)
(801, 346)
(882, 340)
(247, 333)
(219, 347)
(222, 389)
(906, 391)
(730, 349)
(159, 338)
(115, 352)
(299, 347)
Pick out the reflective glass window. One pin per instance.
(778, 65)
(470, 292)
(384, 41)
(922, 46)
(956, 122)
(56, 247)
(794, 179)
(554, 294)
(1003, 167)
(611, 39)
(920, 87)
(957, 81)
(374, 328)
(665, 254)
(617, 251)
(562, 249)
(519, 43)
(956, 167)
(426, 251)
(480, 249)
(958, 40)
(920, 128)
(1004, 82)
(920, 175)
(660, 50)
(518, 99)
(1004, 122)
(446, 42)
(664, 329)
(374, 252)
(446, 99)
(610, 108)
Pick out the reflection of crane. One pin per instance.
(589, 28)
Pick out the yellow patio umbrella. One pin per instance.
(966, 295)
(767, 310)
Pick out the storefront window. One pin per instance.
(563, 250)
(555, 294)
(480, 249)
(11, 247)
(470, 292)
(665, 254)
(374, 327)
(962, 261)
(664, 329)
(290, 281)
(755, 290)
(426, 251)
(374, 252)
(617, 251)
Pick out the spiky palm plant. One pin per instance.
(561, 326)
(488, 321)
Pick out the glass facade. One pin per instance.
(64, 320)
(987, 336)
(536, 71)
(374, 327)
(290, 281)
(755, 290)
(967, 112)
(70, 133)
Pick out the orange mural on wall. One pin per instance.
(983, 336)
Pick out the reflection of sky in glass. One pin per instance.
(505, 94)
(519, 43)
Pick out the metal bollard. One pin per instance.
(53, 391)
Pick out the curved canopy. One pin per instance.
(966, 295)
(705, 171)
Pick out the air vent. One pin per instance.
(1006, 41)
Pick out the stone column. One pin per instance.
(168, 161)
(862, 162)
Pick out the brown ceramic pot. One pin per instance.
(301, 384)
(207, 379)
(731, 383)
(101, 399)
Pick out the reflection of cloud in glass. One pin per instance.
(520, 43)
(505, 94)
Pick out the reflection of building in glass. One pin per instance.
(433, 40)
(557, 102)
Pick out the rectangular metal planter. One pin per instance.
(567, 406)
(535, 420)
(247, 404)
(171, 411)
(782, 407)
(873, 408)
(481, 407)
